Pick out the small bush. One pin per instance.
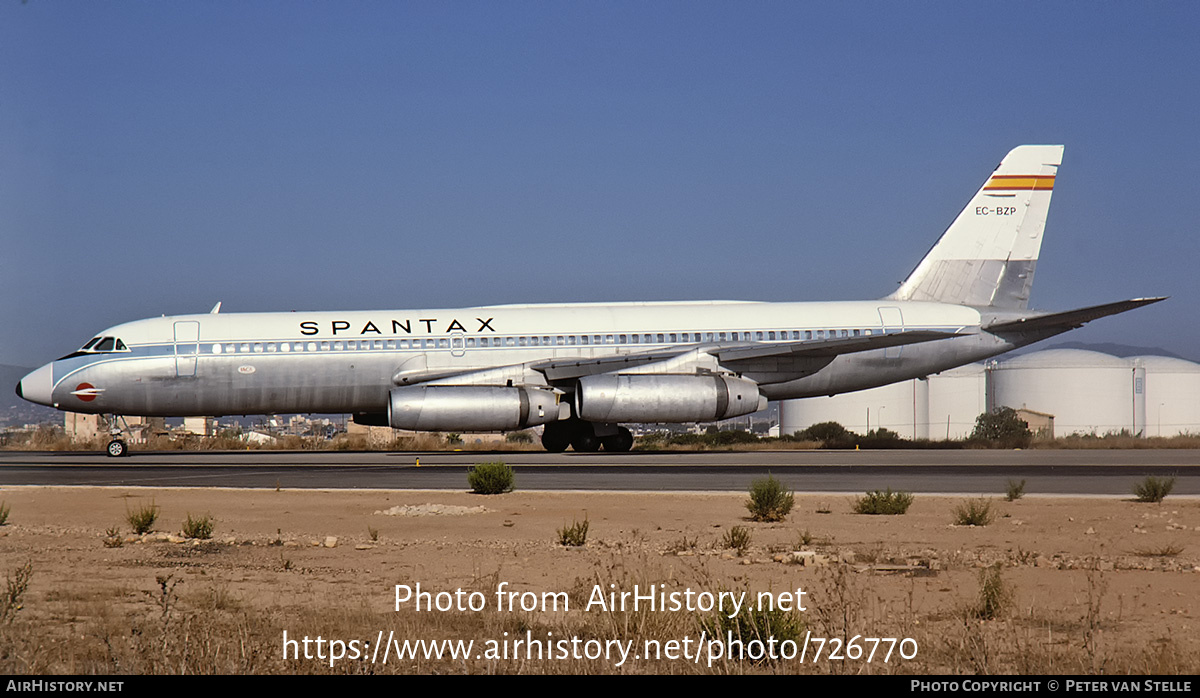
(574, 535)
(1002, 428)
(1168, 550)
(976, 512)
(142, 519)
(3, 513)
(769, 501)
(1154, 489)
(995, 595)
(879, 502)
(491, 478)
(16, 584)
(755, 624)
(201, 527)
(1014, 490)
(737, 538)
(112, 538)
(519, 437)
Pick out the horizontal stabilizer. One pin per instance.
(1069, 319)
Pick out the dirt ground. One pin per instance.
(1073, 585)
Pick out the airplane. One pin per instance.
(581, 370)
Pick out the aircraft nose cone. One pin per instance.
(37, 387)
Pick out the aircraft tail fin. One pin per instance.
(988, 254)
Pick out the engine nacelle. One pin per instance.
(470, 408)
(664, 398)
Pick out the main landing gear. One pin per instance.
(582, 436)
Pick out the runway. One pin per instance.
(1062, 472)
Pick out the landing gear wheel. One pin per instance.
(619, 442)
(584, 439)
(117, 448)
(586, 443)
(556, 437)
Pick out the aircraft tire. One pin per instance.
(584, 439)
(117, 448)
(620, 442)
(556, 437)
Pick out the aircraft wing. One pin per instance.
(1070, 319)
(730, 354)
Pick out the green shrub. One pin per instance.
(1154, 489)
(1014, 490)
(142, 519)
(491, 478)
(769, 500)
(112, 538)
(830, 434)
(755, 624)
(1002, 428)
(889, 502)
(737, 538)
(519, 437)
(201, 527)
(995, 595)
(976, 512)
(574, 535)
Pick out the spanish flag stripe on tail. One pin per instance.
(1020, 183)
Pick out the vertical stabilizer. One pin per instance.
(988, 255)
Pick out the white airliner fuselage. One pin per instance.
(582, 369)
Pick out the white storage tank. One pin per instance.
(956, 398)
(1172, 395)
(1086, 391)
(899, 407)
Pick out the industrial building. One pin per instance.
(1058, 391)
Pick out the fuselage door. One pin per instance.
(187, 348)
(892, 321)
(458, 345)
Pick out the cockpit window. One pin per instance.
(121, 346)
(90, 343)
(105, 344)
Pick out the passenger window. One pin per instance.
(533, 341)
(443, 344)
(271, 347)
(867, 332)
(285, 347)
(637, 339)
(621, 340)
(470, 342)
(509, 342)
(523, 341)
(856, 333)
(583, 339)
(571, 340)
(560, 341)
(216, 348)
(391, 344)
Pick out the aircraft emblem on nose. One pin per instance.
(86, 392)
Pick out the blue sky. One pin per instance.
(158, 157)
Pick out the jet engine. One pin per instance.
(470, 408)
(664, 398)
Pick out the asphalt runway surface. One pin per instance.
(1061, 472)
